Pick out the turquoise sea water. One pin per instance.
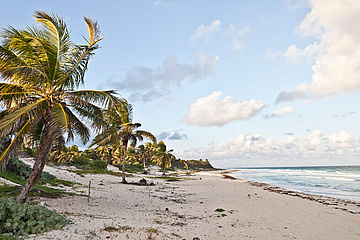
(339, 182)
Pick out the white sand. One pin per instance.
(186, 209)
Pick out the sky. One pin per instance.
(240, 83)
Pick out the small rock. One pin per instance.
(196, 238)
(143, 181)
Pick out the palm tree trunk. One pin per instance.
(123, 166)
(38, 167)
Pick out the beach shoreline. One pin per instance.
(206, 205)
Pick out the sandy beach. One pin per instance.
(205, 205)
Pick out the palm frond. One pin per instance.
(26, 110)
(14, 142)
(147, 135)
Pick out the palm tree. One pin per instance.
(120, 131)
(163, 157)
(42, 68)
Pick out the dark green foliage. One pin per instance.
(22, 219)
(80, 161)
(9, 191)
(30, 152)
(99, 165)
(136, 168)
(22, 170)
(219, 210)
(192, 164)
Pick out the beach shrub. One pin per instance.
(99, 165)
(19, 219)
(22, 170)
(80, 161)
(219, 210)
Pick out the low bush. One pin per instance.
(99, 165)
(80, 161)
(22, 170)
(22, 219)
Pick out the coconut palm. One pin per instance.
(41, 69)
(121, 130)
(163, 157)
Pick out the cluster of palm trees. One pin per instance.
(41, 71)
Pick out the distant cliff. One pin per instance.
(192, 164)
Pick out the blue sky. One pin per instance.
(241, 83)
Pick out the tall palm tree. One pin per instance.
(41, 69)
(121, 130)
(163, 157)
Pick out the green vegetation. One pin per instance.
(17, 172)
(41, 70)
(22, 170)
(219, 210)
(22, 219)
(117, 229)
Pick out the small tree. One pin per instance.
(163, 157)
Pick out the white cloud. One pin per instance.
(295, 55)
(342, 139)
(282, 111)
(237, 32)
(237, 45)
(255, 150)
(206, 32)
(335, 25)
(211, 111)
(145, 84)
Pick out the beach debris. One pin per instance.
(143, 181)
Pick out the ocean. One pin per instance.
(339, 182)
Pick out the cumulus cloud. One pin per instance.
(280, 112)
(335, 26)
(162, 136)
(171, 136)
(342, 140)
(255, 149)
(236, 33)
(296, 93)
(283, 111)
(178, 136)
(211, 111)
(237, 45)
(146, 84)
(296, 55)
(206, 32)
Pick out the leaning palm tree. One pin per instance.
(120, 131)
(129, 133)
(163, 157)
(41, 69)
